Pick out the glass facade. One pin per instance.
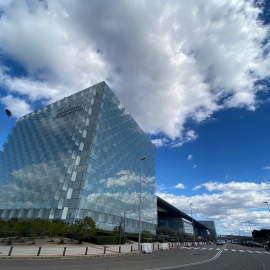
(177, 224)
(211, 233)
(187, 227)
(79, 157)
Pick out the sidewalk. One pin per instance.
(24, 251)
(68, 251)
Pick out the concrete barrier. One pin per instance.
(164, 246)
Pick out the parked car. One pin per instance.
(253, 244)
(257, 245)
(267, 245)
(219, 242)
(248, 243)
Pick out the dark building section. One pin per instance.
(175, 219)
(212, 228)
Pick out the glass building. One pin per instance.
(180, 222)
(211, 233)
(78, 157)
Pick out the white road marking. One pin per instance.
(189, 264)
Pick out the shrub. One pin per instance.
(133, 238)
(105, 240)
(84, 229)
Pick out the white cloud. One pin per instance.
(159, 142)
(191, 136)
(266, 168)
(16, 105)
(190, 157)
(236, 186)
(194, 166)
(184, 60)
(180, 185)
(235, 203)
(160, 188)
(197, 187)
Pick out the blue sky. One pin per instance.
(233, 146)
(193, 74)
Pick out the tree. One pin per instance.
(166, 233)
(41, 227)
(59, 228)
(83, 229)
(119, 229)
(146, 234)
(22, 228)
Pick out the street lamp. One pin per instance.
(8, 113)
(124, 226)
(192, 222)
(267, 205)
(139, 242)
(250, 228)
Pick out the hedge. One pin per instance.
(105, 240)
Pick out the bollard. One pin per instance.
(119, 249)
(64, 252)
(9, 254)
(39, 249)
(153, 246)
(104, 250)
(86, 250)
(141, 248)
(131, 249)
(157, 246)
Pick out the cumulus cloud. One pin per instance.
(230, 205)
(18, 106)
(190, 157)
(168, 62)
(159, 142)
(180, 185)
(236, 186)
(161, 188)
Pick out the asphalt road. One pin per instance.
(228, 257)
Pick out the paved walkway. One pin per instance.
(61, 251)
(22, 251)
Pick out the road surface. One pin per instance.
(227, 257)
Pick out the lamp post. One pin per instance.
(8, 113)
(267, 206)
(250, 229)
(140, 208)
(192, 222)
(124, 226)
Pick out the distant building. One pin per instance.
(175, 219)
(212, 228)
(77, 157)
